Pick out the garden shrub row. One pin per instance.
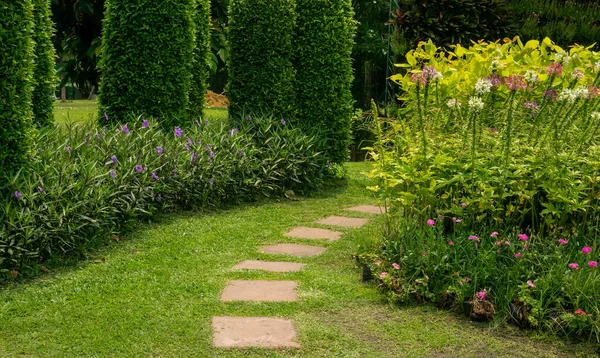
(490, 178)
(199, 85)
(44, 75)
(84, 183)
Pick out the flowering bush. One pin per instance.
(490, 179)
(85, 184)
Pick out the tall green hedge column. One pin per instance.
(44, 76)
(260, 68)
(323, 44)
(16, 63)
(147, 53)
(201, 51)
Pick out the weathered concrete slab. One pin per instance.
(343, 221)
(260, 290)
(264, 332)
(313, 233)
(269, 266)
(368, 209)
(294, 250)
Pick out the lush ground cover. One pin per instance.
(491, 181)
(154, 293)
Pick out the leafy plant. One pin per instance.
(44, 76)
(201, 53)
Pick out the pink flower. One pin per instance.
(518, 255)
(592, 92)
(593, 264)
(464, 205)
(482, 295)
(451, 243)
(563, 241)
(530, 284)
(430, 222)
(494, 234)
(515, 82)
(474, 238)
(440, 217)
(383, 274)
(507, 243)
(458, 221)
(523, 237)
(555, 69)
(574, 266)
(396, 266)
(580, 312)
(419, 78)
(586, 250)
(378, 263)
(497, 243)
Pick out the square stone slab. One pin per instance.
(368, 209)
(303, 232)
(259, 290)
(343, 221)
(264, 332)
(269, 266)
(294, 250)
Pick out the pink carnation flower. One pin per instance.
(451, 243)
(518, 255)
(563, 241)
(593, 264)
(586, 250)
(530, 284)
(555, 69)
(580, 312)
(482, 295)
(474, 238)
(383, 274)
(494, 234)
(396, 266)
(523, 237)
(574, 266)
(430, 222)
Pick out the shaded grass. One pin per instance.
(158, 288)
(81, 111)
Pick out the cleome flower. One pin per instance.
(483, 86)
(476, 104)
(454, 103)
(531, 77)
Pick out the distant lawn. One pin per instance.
(80, 111)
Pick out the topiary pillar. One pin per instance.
(260, 68)
(201, 51)
(323, 44)
(147, 54)
(16, 62)
(44, 76)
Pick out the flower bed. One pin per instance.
(85, 183)
(490, 178)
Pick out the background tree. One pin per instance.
(323, 45)
(201, 53)
(260, 68)
(147, 54)
(16, 63)
(44, 76)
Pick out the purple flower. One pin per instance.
(105, 116)
(197, 123)
(233, 132)
(125, 129)
(39, 125)
(18, 195)
(145, 123)
(174, 173)
(178, 132)
(159, 150)
(249, 118)
(111, 173)
(212, 154)
(240, 153)
(113, 158)
(211, 182)
(493, 130)
(41, 190)
(551, 94)
(208, 147)
(98, 136)
(194, 156)
(283, 122)
(158, 197)
(139, 168)
(154, 176)
(206, 122)
(190, 141)
(495, 80)
(68, 149)
(186, 146)
(533, 106)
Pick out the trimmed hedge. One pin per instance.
(16, 60)
(201, 51)
(323, 44)
(260, 68)
(147, 53)
(44, 75)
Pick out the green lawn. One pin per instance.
(84, 111)
(153, 294)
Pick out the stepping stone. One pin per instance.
(269, 266)
(303, 232)
(294, 250)
(260, 290)
(368, 209)
(343, 221)
(264, 332)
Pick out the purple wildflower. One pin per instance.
(98, 136)
(113, 158)
(111, 173)
(283, 122)
(159, 150)
(39, 125)
(233, 132)
(186, 146)
(145, 123)
(158, 197)
(533, 106)
(68, 149)
(125, 129)
(211, 182)
(105, 116)
(41, 190)
(154, 176)
(206, 122)
(194, 156)
(208, 147)
(197, 123)
(174, 173)
(249, 118)
(190, 141)
(18, 195)
(139, 168)
(178, 132)
(212, 154)
(551, 94)
(495, 80)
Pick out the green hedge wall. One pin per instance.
(323, 43)
(201, 50)
(147, 53)
(44, 75)
(16, 62)
(260, 68)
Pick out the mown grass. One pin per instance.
(154, 293)
(84, 111)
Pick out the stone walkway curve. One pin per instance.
(276, 332)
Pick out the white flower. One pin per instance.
(476, 104)
(563, 58)
(531, 77)
(483, 86)
(577, 74)
(571, 95)
(432, 74)
(597, 65)
(495, 64)
(595, 116)
(454, 103)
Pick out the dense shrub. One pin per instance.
(16, 62)
(260, 68)
(147, 53)
(201, 53)
(323, 43)
(564, 21)
(489, 172)
(86, 183)
(44, 76)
